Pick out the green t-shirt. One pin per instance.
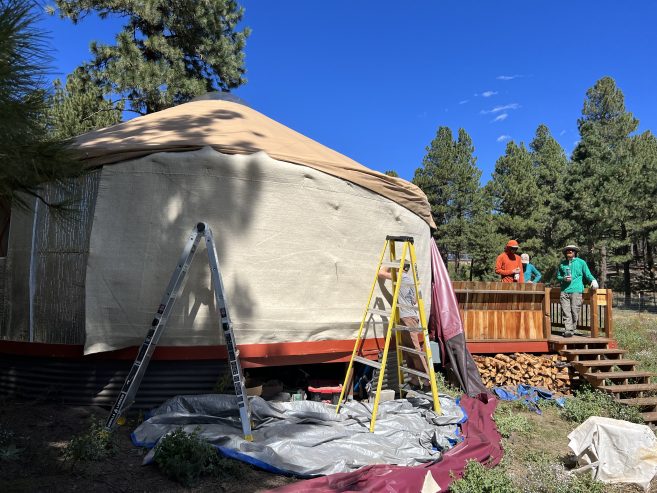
(578, 271)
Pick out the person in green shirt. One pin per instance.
(571, 274)
(532, 275)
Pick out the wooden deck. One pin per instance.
(508, 317)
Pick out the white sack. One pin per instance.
(616, 451)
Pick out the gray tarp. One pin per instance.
(308, 438)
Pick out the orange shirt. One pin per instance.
(505, 264)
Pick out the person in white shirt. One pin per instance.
(409, 318)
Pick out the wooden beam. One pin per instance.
(609, 324)
(595, 318)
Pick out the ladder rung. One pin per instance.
(407, 307)
(414, 372)
(408, 329)
(419, 393)
(413, 351)
(392, 264)
(368, 362)
(374, 311)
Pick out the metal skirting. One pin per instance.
(99, 382)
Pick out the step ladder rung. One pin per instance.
(403, 328)
(391, 264)
(407, 306)
(405, 369)
(376, 311)
(418, 393)
(419, 352)
(368, 362)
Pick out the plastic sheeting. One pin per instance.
(481, 443)
(308, 438)
(616, 451)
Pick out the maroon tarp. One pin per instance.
(446, 327)
(481, 443)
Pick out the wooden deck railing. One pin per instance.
(495, 311)
(595, 315)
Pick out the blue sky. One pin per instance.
(375, 79)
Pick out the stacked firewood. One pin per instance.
(549, 372)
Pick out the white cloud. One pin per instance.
(562, 132)
(488, 94)
(500, 118)
(464, 101)
(502, 138)
(497, 109)
(508, 77)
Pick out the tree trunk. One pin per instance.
(627, 250)
(603, 265)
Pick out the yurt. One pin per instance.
(299, 229)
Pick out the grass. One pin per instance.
(637, 333)
(537, 458)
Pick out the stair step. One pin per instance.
(619, 375)
(631, 387)
(579, 340)
(602, 363)
(639, 401)
(592, 352)
(649, 417)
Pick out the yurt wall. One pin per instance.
(298, 249)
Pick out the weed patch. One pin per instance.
(185, 457)
(480, 479)
(95, 444)
(589, 402)
(509, 420)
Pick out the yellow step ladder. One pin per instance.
(400, 279)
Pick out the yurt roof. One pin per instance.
(233, 128)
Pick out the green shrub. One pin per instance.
(444, 387)
(589, 402)
(185, 457)
(509, 422)
(478, 479)
(95, 444)
(6, 436)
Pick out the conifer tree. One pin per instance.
(515, 196)
(167, 53)
(596, 197)
(450, 179)
(79, 106)
(28, 156)
(550, 165)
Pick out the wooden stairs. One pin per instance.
(601, 364)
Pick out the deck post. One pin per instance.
(547, 320)
(595, 318)
(608, 319)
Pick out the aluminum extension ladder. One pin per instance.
(176, 284)
(396, 264)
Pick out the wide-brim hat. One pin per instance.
(574, 248)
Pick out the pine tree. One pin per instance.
(167, 53)
(79, 107)
(515, 196)
(28, 156)
(596, 194)
(550, 165)
(450, 179)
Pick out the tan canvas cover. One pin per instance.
(233, 128)
(298, 249)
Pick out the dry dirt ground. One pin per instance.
(42, 429)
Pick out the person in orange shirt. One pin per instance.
(508, 264)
